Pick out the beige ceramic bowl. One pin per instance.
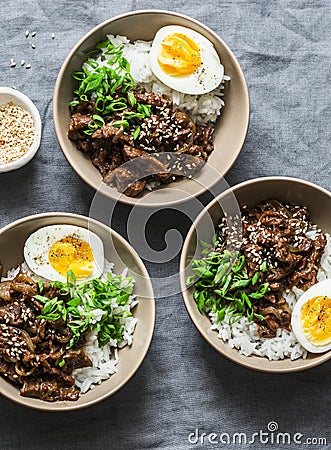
(230, 131)
(117, 250)
(250, 193)
(19, 99)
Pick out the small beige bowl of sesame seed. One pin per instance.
(20, 129)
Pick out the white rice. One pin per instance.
(203, 108)
(243, 335)
(104, 359)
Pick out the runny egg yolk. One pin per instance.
(71, 253)
(179, 55)
(316, 320)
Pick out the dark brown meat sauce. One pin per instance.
(30, 348)
(275, 232)
(166, 130)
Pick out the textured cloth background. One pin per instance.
(284, 50)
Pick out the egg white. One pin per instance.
(207, 76)
(322, 288)
(38, 244)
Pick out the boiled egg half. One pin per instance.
(52, 251)
(185, 60)
(311, 318)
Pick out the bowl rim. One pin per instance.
(191, 308)
(71, 406)
(33, 110)
(109, 193)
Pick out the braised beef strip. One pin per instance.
(275, 232)
(31, 348)
(166, 130)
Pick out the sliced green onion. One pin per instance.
(74, 103)
(121, 123)
(264, 266)
(131, 99)
(136, 132)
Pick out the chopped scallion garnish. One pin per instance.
(223, 286)
(110, 86)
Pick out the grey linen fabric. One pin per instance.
(183, 385)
